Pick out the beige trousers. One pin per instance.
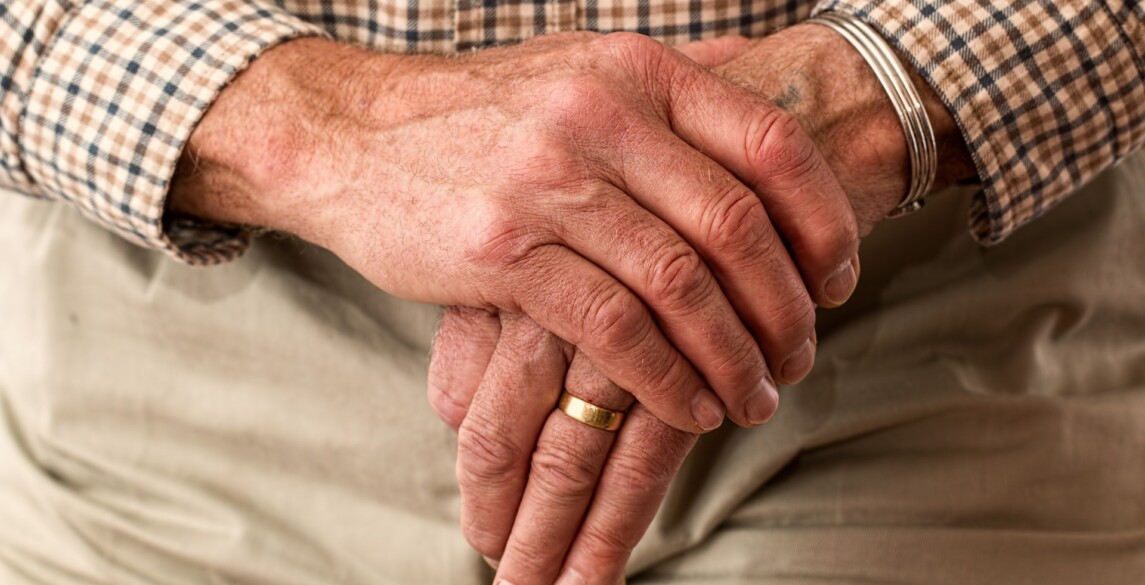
(976, 416)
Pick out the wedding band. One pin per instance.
(590, 414)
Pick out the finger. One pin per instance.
(496, 439)
(720, 215)
(564, 472)
(585, 306)
(462, 347)
(644, 459)
(766, 148)
(715, 52)
(770, 152)
(689, 304)
(726, 222)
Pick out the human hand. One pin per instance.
(589, 182)
(864, 144)
(817, 76)
(527, 473)
(544, 493)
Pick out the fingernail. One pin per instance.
(799, 363)
(841, 283)
(492, 562)
(502, 582)
(570, 576)
(762, 403)
(707, 410)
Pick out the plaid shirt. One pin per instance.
(97, 98)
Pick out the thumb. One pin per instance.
(715, 52)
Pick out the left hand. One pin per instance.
(545, 494)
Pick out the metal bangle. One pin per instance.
(904, 97)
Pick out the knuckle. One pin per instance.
(793, 319)
(460, 324)
(641, 479)
(664, 387)
(741, 363)
(769, 246)
(645, 58)
(553, 162)
(630, 44)
(564, 473)
(616, 319)
(757, 245)
(505, 240)
(617, 324)
(573, 96)
(831, 232)
(735, 220)
(589, 124)
(776, 140)
(678, 278)
(529, 342)
(607, 543)
(484, 455)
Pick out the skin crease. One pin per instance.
(582, 524)
(616, 198)
(319, 183)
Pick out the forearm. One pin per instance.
(99, 97)
(253, 160)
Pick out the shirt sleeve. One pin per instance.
(1047, 93)
(98, 98)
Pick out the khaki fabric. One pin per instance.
(976, 416)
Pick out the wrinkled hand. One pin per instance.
(812, 73)
(606, 186)
(542, 492)
(531, 523)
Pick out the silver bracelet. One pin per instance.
(903, 95)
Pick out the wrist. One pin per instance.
(260, 156)
(819, 77)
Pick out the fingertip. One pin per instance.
(762, 404)
(840, 284)
(463, 347)
(707, 411)
(447, 408)
(799, 363)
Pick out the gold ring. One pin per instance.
(590, 414)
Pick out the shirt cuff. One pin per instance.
(115, 96)
(1046, 93)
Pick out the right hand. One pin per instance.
(606, 186)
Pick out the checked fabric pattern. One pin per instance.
(97, 98)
